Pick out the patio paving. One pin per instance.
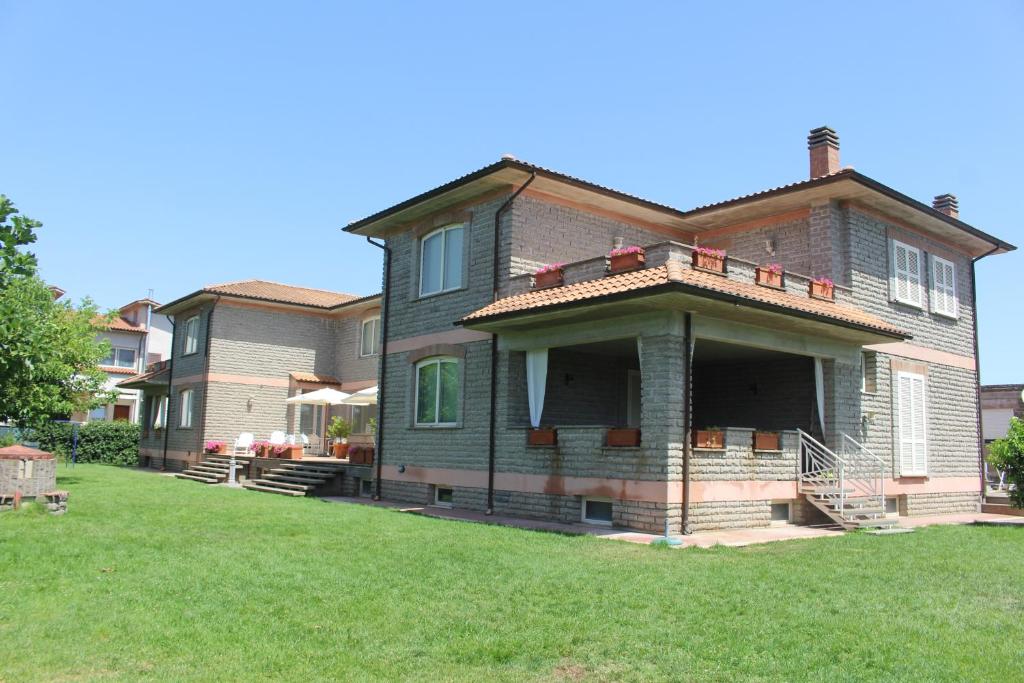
(704, 539)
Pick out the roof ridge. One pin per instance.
(281, 284)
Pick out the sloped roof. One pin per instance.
(158, 376)
(278, 292)
(675, 274)
(314, 377)
(120, 324)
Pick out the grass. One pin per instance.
(153, 578)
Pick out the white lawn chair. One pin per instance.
(243, 444)
(277, 438)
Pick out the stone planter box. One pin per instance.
(708, 438)
(766, 441)
(622, 263)
(768, 278)
(542, 437)
(709, 262)
(624, 437)
(822, 290)
(550, 278)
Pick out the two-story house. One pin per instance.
(239, 350)
(797, 354)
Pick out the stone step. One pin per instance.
(882, 522)
(824, 490)
(274, 476)
(269, 489)
(328, 470)
(853, 512)
(202, 473)
(283, 484)
(213, 469)
(284, 472)
(196, 477)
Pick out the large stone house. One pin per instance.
(863, 398)
(239, 350)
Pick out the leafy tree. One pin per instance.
(1007, 455)
(48, 349)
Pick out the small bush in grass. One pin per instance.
(110, 443)
(1007, 455)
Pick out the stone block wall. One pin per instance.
(15, 477)
(738, 461)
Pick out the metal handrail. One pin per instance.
(823, 467)
(861, 450)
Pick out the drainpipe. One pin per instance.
(385, 309)
(977, 370)
(206, 380)
(170, 376)
(687, 417)
(494, 342)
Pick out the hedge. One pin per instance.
(111, 443)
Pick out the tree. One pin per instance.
(49, 352)
(1007, 455)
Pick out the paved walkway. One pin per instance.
(704, 539)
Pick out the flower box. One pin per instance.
(549, 276)
(708, 438)
(769, 276)
(542, 437)
(340, 450)
(287, 452)
(625, 260)
(214, 447)
(766, 441)
(712, 260)
(261, 449)
(368, 455)
(624, 437)
(823, 289)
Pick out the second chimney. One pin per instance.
(824, 146)
(947, 204)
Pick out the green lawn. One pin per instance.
(154, 578)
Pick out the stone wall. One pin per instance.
(738, 461)
(15, 477)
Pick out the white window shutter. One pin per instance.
(913, 442)
(943, 292)
(906, 273)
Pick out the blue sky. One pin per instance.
(172, 145)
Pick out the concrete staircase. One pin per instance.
(213, 470)
(295, 478)
(848, 488)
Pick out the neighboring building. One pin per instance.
(1000, 402)
(137, 337)
(474, 356)
(242, 348)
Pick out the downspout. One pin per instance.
(383, 359)
(977, 370)
(687, 417)
(206, 379)
(494, 341)
(170, 376)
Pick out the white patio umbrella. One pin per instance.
(363, 397)
(321, 397)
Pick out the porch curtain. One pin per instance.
(819, 393)
(536, 379)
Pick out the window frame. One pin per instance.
(437, 497)
(375, 320)
(190, 343)
(436, 360)
(789, 513)
(443, 232)
(954, 310)
(114, 352)
(590, 520)
(868, 372)
(185, 416)
(912, 471)
(917, 286)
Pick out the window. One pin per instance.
(371, 337)
(437, 392)
(361, 416)
(910, 401)
(906, 273)
(780, 513)
(185, 403)
(443, 497)
(597, 511)
(120, 357)
(365, 487)
(892, 507)
(441, 260)
(192, 335)
(160, 418)
(943, 293)
(868, 372)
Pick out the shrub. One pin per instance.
(1007, 455)
(110, 443)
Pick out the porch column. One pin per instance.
(842, 400)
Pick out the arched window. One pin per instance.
(441, 260)
(437, 392)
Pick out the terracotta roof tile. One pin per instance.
(314, 377)
(119, 324)
(150, 377)
(676, 272)
(275, 291)
(115, 370)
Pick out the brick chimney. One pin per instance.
(947, 204)
(824, 146)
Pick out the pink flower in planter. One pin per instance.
(633, 249)
(774, 268)
(214, 446)
(827, 282)
(549, 268)
(708, 251)
(280, 449)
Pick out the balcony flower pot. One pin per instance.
(368, 455)
(712, 260)
(355, 454)
(213, 447)
(260, 449)
(340, 450)
(549, 276)
(769, 276)
(823, 288)
(626, 259)
(708, 438)
(287, 452)
(621, 437)
(542, 437)
(766, 441)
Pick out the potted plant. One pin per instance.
(770, 275)
(287, 451)
(339, 430)
(823, 288)
(213, 447)
(368, 455)
(355, 454)
(709, 437)
(623, 437)
(543, 436)
(712, 260)
(261, 448)
(766, 441)
(626, 259)
(552, 275)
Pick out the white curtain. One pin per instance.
(819, 393)
(536, 378)
(161, 413)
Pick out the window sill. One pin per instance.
(421, 297)
(865, 392)
(368, 355)
(908, 304)
(947, 316)
(454, 425)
